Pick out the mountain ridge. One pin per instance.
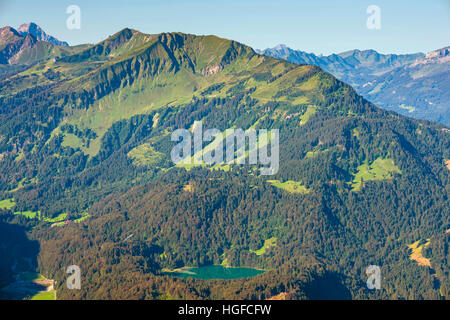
(388, 80)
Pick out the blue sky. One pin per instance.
(325, 26)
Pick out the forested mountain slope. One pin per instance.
(87, 138)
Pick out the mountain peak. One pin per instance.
(280, 47)
(29, 27)
(8, 35)
(8, 32)
(33, 29)
(8, 29)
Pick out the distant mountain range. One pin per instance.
(415, 85)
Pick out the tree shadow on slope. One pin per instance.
(17, 264)
(328, 286)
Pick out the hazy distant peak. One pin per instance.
(33, 29)
(281, 47)
(440, 53)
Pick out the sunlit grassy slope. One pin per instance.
(145, 155)
(416, 253)
(290, 186)
(158, 71)
(380, 169)
(267, 244)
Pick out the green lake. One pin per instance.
(216, 272)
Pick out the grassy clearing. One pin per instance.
(188, 188)
(59, 218)
(290, 186)
(416, 253)
(7, 204)
(29, 214)
(272, 242)
(308, 114)
(380, 169)
(313, 154)
(45, 295)
(63, 222)
(83, 217)
(145, 156)
(71, 140)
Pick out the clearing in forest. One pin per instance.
(272, 242)
(290, 186)
(416, 253)
(380, 169)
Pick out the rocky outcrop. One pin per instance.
(35, 30)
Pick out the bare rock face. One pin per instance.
(444, 52)
(35, 30)
(10, 43)
(440, 56)
(8, 35)
(210, 70)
